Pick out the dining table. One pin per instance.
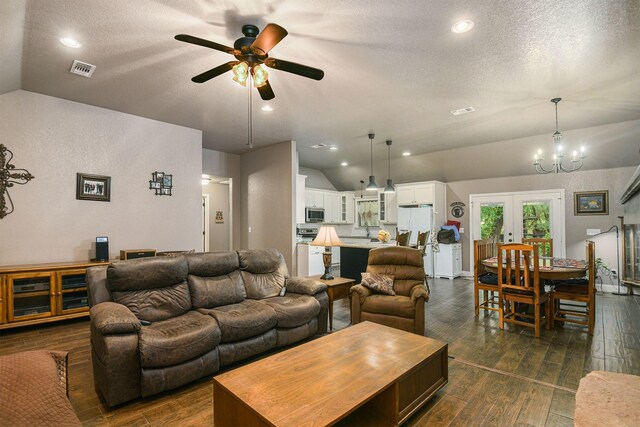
(549, 268)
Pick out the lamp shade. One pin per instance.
(372, 186)
(327, 236)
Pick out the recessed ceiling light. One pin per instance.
(406, 153)
(267, 108)
(69, 42)
(344, 164)
(462, 26)
(333, 148)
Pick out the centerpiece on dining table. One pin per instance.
(384, 236)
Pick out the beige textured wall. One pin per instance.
(12, 15)
(604, 179)
(316, 179)
(217, 163)
(268, 197)
(54, 139)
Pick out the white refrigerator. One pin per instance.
(415, 219)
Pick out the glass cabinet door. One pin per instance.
(635, 252)
(30, 296)
(72, 296)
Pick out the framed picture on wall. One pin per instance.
(591, 203)
(93, 187)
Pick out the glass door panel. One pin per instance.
(492, 222)
(30, 295)
(492, 218)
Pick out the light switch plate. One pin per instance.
(461, 230)
(592, 231)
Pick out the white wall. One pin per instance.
(268, 198)
(54, 139)
(316, 179)
(12, 15)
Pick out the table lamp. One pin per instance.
(326, 237)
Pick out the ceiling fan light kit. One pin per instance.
(557, 165)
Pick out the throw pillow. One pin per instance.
(379, 283)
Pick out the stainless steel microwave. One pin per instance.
(314, 215)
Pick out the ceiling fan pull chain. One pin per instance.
(249, 116)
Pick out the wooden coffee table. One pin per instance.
(337, 288)
(365, 374)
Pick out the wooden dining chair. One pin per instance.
(483, 249)
(574, 301)
(545, 246)
(423, 237)
(402, 239)
(518, 282)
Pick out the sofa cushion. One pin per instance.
(384, 304)
(378, 283)
(146, 273)
(157, 304)
(263, 272)
(212, 264)
(210, 292)
(176, 340)
(243, 320)
(293, 310)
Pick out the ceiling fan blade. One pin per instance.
(269, 37)
(214, 72)
(292, 67)
(206, 43)
(266, 93)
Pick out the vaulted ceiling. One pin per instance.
(392, 67)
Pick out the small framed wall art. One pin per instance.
(162, 183)
(93, 187)
(591, 203)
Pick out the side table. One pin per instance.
(337, 288)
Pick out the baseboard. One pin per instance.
(612, 288)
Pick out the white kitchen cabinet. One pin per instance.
(300, 199)
(314, 199)
(449, 261)
(310, 260)
(347, 205)
(415, 194)
(336, 209)
(387, 208)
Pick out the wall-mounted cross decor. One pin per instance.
(9, 176)
(162, 183)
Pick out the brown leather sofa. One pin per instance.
(159, 323)
(406, 309)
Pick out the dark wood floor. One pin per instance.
(495, 378)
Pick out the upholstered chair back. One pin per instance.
(406, 265)
(215, 279)
(263, 271)
(152, 288)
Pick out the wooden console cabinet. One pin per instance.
(41, 293)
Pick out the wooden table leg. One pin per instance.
(330, 295)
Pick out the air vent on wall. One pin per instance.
(464, 110)
(321, 145)
(82, 68)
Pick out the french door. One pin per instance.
(510, 217)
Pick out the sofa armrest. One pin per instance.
(112, 318)
(304, 285)
(417, 292)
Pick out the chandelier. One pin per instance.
(557, 165)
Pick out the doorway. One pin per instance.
(510, 217)
(217, 213)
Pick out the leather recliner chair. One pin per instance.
(406, 309)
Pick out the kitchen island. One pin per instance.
(354, 258)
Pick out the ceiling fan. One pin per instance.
(251, 51)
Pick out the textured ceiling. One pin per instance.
(393, 67)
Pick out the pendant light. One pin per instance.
(372, 186)
(390, 188)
